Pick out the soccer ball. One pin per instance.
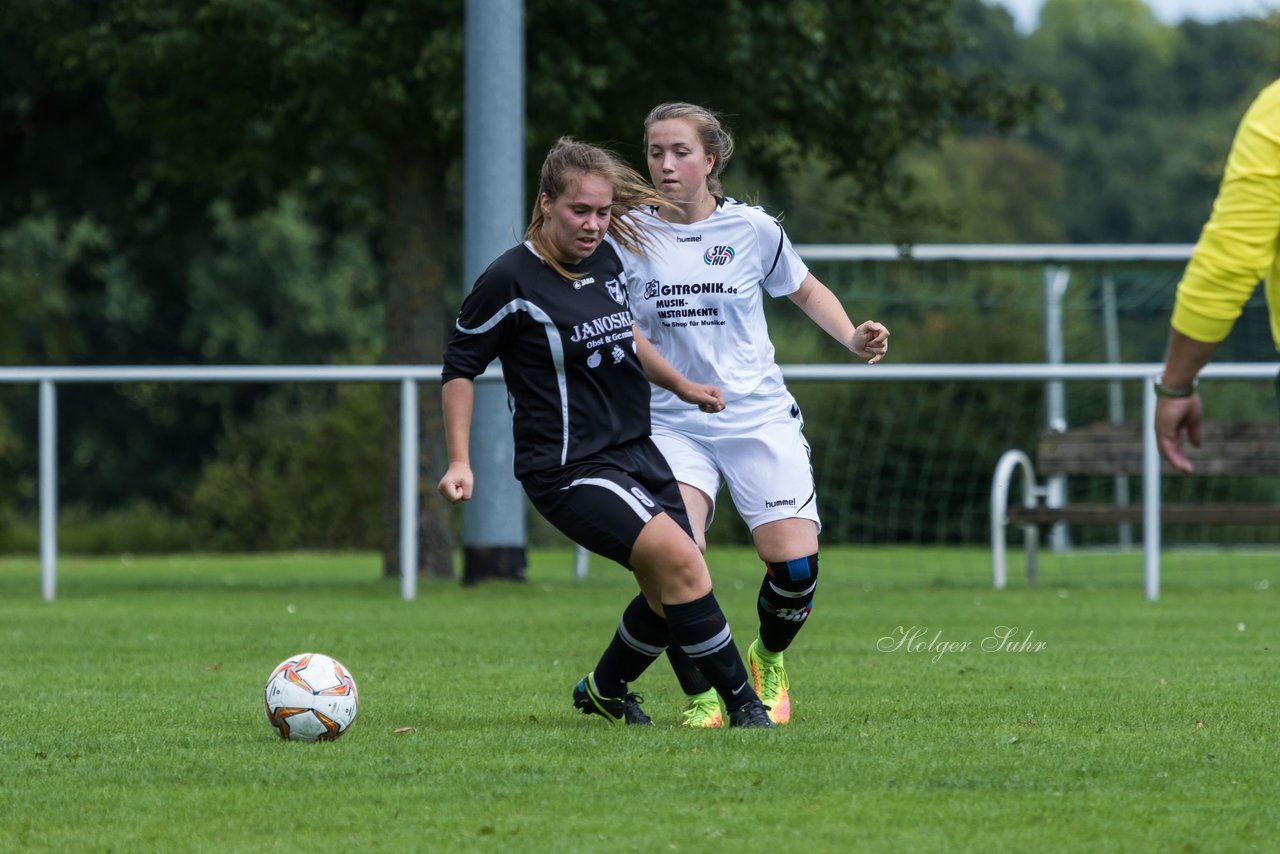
(311, 697)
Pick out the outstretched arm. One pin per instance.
(661, 373)
(870, 340)
(458, 399)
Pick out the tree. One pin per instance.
(854, 83)
(1147, 112)
(355, 107)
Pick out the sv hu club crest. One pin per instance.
(718, 256)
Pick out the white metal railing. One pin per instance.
(1024, 252)
(1047, 253)
(1148, 373)
(410, 375)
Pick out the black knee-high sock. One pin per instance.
(641, 637)
(687, 673)
(701, 630)
(786, 598)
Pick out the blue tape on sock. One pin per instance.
(798, 568)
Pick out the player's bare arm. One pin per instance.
(708, 398)
(457, 400)
(869, 340)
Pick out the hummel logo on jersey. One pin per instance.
(718, 256)
(781, 502)
(582, 283)
(697, 238)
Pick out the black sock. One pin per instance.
(687, 673)
(701, 630)
(786, 598)
(641, 637)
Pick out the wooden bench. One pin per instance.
(1104, 449)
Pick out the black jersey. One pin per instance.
(567, 354)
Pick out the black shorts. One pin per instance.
(603, 502)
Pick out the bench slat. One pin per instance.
(1102, 448)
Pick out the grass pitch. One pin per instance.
(931, 713)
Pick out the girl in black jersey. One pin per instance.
(554, 311)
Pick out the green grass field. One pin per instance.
(133, 720)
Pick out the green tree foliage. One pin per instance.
(295, 476)
(274, 290)
(856, 82)
(834, 91)
(164, 124)
(1147, 113)
(1130, 148)
(980, 180)
(206, 107)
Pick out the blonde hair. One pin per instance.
(715, 139)
(567, 161)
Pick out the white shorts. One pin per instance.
(756, 444)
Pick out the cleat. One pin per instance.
(625, 709)
(751, 715)
(770, 682)
(704, 711)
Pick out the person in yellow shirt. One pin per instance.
(1237, 249)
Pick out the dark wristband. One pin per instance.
(1163, 390)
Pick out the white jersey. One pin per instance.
(697, 294)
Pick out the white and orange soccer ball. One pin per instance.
(311, 697)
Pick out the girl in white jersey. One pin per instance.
(698, 295)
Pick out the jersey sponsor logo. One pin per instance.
(618, 354)
(655, 289)
(593, 361)
(582, 283)
(601, 325)
(688, 312)
(718, 256)
(697, 238)
(616, 290)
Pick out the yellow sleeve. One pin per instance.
(1237, 247)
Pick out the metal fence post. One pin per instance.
(1150, 493)
(1115, 393)
(48, 490)
(1056, 279)
(408, 488)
